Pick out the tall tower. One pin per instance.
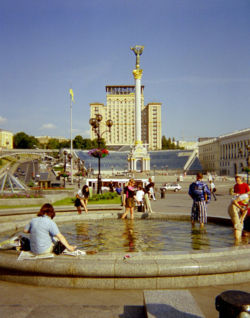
(138, 159)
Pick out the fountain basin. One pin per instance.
(148, 270)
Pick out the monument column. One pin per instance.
(137, 72)
(139, 159)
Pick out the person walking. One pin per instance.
(212, 189)
(201, 195)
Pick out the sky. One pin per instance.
(195, 62)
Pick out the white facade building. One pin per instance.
(227, 154)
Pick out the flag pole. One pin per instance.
(71, 142)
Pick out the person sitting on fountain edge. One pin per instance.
(42, 230)
(201, 195)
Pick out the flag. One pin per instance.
(72, 95)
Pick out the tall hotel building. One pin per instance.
(120, 108)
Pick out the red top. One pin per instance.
(241, 188)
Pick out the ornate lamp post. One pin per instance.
(96, 123)
(69, 157)
(80, 173)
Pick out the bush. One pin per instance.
(31, 184)
(104, 196)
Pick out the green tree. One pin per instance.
(23, 141)
(78, 142)
(164, 142)
(169, 143)
(53, 144)
(65, 144)
(87, 144)
(95, 143)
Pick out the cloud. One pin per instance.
(83, 133)
(48, 126)
(86, 134)
(2, 120)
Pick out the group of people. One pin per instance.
(45, 235)
(238, 208)
(131, 194)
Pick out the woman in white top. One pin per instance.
(140, 198)
(140, 194)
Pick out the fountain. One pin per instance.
(117, 270)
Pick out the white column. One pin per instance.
(137, 76)
(137, 111)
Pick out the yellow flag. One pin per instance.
(72, 95)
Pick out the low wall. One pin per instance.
(47, 198)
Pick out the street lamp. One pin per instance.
(69, 157)
(80, 173)
(96, 123)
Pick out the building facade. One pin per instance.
(45, 139)
(6, 139)
(227, 154)
(120, 108)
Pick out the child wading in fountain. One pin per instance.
(82, 197)
(129, 198)
(200, 194)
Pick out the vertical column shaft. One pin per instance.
(137, 111)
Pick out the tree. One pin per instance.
(164, 142)
(95, 143)
(169, 144)
(78, 142)
(65, 144)
(86, 143)
(24, 141)
(53, 143)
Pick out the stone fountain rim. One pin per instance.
(140, 270)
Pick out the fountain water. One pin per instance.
(119, 270)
